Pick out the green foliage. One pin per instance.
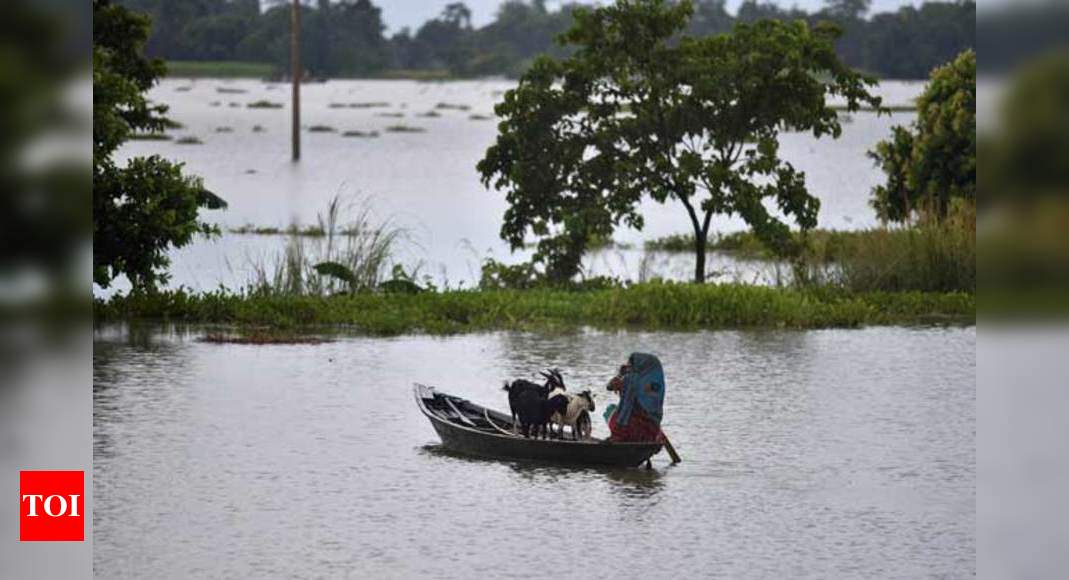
(1025, 158)
(499, 276)
(649, 305)
(346, 38)
(337, 271)
(146, 207)
(637, 112)
(934, 161)
(526, 276)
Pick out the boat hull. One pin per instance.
(469, 435)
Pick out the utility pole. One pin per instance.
(296, 74)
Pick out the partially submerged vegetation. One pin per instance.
(150, 136)
(263, 104)
(341, 272)
(343, 253)
(649, 305)
(405, 129)
(934, 256)
(360, 105)
(261, 336)
(358, 133)
(452, 107)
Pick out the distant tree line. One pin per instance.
(347, 37)
(1013, 34)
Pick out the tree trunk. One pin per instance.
(699, 256)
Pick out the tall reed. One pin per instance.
(930, 256)
(351, 237)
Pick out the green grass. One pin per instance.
(218, 69)
(927, 257)
(647, 306)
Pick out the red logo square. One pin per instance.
(51, 506)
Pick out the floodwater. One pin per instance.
(815, 454)
(426, 182)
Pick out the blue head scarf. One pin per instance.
(643, 384)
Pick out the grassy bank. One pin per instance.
(647, 306)
(218, 69)
(934, 257)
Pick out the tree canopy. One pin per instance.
(933, 161)
(142, 209)
(347, 36)
(639, 111)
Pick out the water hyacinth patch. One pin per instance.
(405, 129)
(264, 104)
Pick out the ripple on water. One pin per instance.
(806, 454)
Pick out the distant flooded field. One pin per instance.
(823, 454)
(409, 149)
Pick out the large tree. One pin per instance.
(639, 111)
(144, 208)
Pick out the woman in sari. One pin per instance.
(640, 385)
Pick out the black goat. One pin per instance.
(534, 413)
(532, 404)
(519, 388)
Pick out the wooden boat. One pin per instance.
(475, 430)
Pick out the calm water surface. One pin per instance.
(836, 453)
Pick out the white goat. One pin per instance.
(584, 401)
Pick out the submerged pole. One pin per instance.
(295, 74)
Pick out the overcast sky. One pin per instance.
(413, 13)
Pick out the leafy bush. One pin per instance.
(934, 161)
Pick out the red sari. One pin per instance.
(639, 428)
